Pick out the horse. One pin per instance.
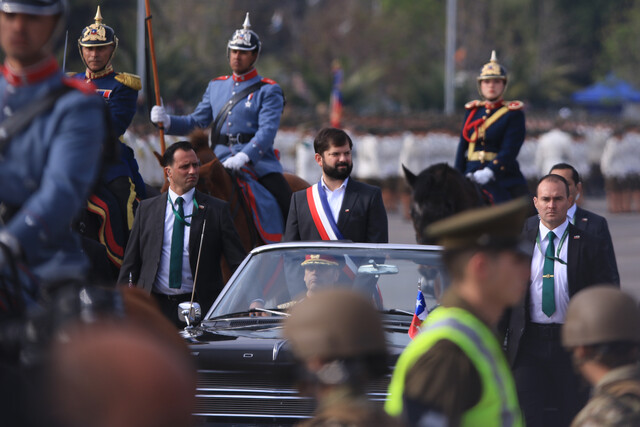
(437, 192)
(218, 182)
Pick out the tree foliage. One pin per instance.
(392, 51)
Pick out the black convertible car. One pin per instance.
(245, 368)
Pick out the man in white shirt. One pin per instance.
(337, 207)
(582, 218)
(165, 244)
(565, 259)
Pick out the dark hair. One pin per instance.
(330, 136)
(566, 166)
(553, 178)
(167, 157)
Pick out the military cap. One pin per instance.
(494, 227)
(319, 259)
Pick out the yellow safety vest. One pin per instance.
(498, 405)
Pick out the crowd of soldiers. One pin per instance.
(455, 371)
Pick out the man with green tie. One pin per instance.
(564, 260)
(172, 231)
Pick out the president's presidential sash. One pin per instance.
(321, 213)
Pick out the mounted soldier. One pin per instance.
(492, 134)
(110, 209)
(244, 112)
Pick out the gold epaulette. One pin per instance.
(473, 104)
(515, 105)
(71, 73)
(130, 80)
(286, 305)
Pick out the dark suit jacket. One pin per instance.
(587, 265)
(597, 225)
(142, 255)
(362, 218)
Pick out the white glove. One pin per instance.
(159, 115)
(483, 176)
(236, 162)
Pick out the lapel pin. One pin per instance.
(576, 237)
(346, 210)
(585, 219)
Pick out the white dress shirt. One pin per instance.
(571, 213)
(335, 198)
(561, 285)
(161, 284)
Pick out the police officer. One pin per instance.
(492, 134)
(242, 135)
(338, 340)
(454, 372)
(47, 165)
(120, 186)
(602, 333)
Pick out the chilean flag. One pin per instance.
(418, 316)
(336, 97)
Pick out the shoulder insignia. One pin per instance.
(81, 85)
(130, 80)
(472, 104)
(71, 73)
(515, 105)
(221, 78)
(268, 81)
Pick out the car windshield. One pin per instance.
(277, 279)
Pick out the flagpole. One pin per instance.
(154, 67)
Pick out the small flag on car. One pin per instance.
(418, 316)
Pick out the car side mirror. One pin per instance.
(189, 313)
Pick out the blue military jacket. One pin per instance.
(259, 113)
(47, 169)
(120, 91)
(491, 137)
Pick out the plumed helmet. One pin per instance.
(244, 38)
(493, 70)
(335, 324)
(599, 315)
(97, 34)
(34, 7)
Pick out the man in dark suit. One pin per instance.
(337, 207)
(565, 260)
(582, 218)
(165, 254)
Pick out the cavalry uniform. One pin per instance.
(249, 127)
(110, 209)
(492, 135)
(46, 170)
(491, 138)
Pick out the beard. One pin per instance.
(339, 171)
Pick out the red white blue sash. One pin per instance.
(321, 213)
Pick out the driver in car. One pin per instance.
(320, 271)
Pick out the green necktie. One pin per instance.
(548, 297)
(177, 246)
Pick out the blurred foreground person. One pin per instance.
(454, 372)
(338, 339)
(53, 129)
(119, 374)
(602, 331)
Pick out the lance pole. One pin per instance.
(154, 67)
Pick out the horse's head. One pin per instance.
(436, 193)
